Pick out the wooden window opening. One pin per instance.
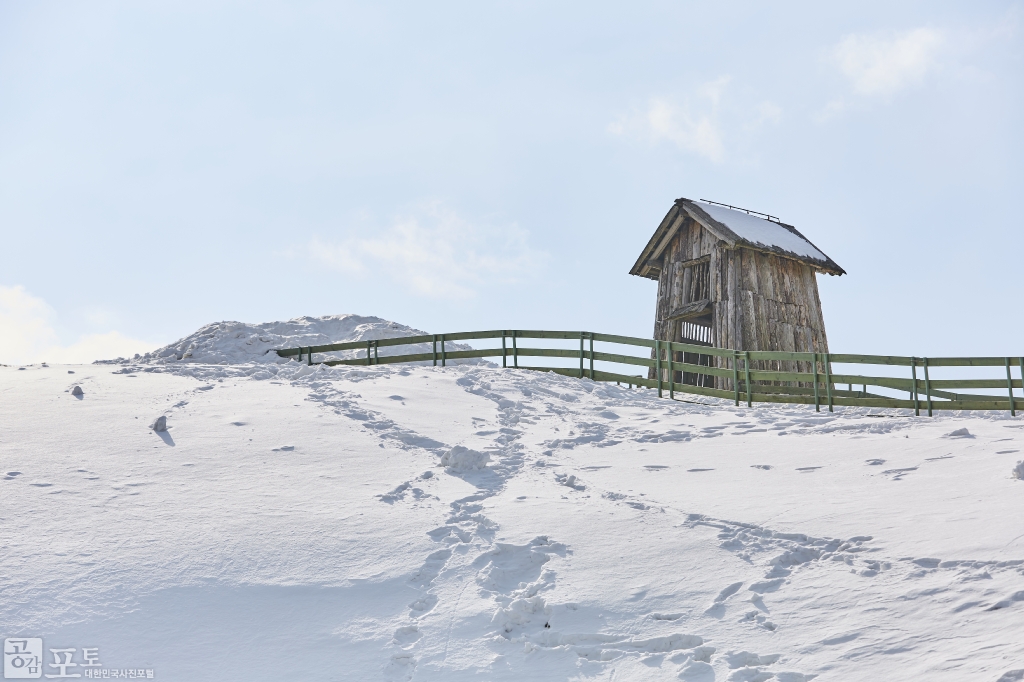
(696, 330)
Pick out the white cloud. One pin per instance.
(765, 112)
(27, 334)
(435, 253)
(699, 134)
(884, 63)
(695, 124)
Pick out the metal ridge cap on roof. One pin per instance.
(717, 228)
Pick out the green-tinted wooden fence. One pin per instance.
(748, 382)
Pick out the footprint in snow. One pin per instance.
(874, 462)
(407, 635)
(655, 467)
(765, 467)
(897, 474)
(696, 470)
(805, 470)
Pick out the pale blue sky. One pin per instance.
(458, 166)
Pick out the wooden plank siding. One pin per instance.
(759, 302)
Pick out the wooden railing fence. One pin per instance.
(739, 375)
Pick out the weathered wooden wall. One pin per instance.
(761, 301)
(691, 241)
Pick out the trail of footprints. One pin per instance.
(515, 577)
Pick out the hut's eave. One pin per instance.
(737, 230)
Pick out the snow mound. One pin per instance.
(959, 433)
(461, 458)
(1018, 471)
(232, 343)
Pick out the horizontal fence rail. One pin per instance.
(741, 376)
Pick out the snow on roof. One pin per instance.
(763, 232)
(736, 229)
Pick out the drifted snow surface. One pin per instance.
(301, 524)
(230, 343)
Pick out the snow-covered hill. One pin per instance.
(469, 522)
(223, 343)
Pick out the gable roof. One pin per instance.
(736, 229)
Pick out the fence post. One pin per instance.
(817, 400)
(828, 380)
(746, 368)
(657, 363)
(504, 350)
(581, 354)
(515, 350)
(671, 374)
(1020, 364)
(435, 349)
(736, 376)
(591, 334)
(1009, 386)
(309, 355)
(927, 385)
(369, 345)
(913, 389)
(443, 357)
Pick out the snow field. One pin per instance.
(475, 523)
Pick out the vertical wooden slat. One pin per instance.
(435, 349)
(913, 392)
(504, 351)
(746, 367)
(515, 350)
(671, 374)
(443, 357)
(817, 400)
(1009, 387)
(657, 363)
(1020, 365)
(927, 386)
(591, 355)
(581, 354)
(828, 380)
(736, 376)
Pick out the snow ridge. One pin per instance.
(234, 343)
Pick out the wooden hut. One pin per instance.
(731, 278)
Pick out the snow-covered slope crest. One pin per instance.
(231, 343)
